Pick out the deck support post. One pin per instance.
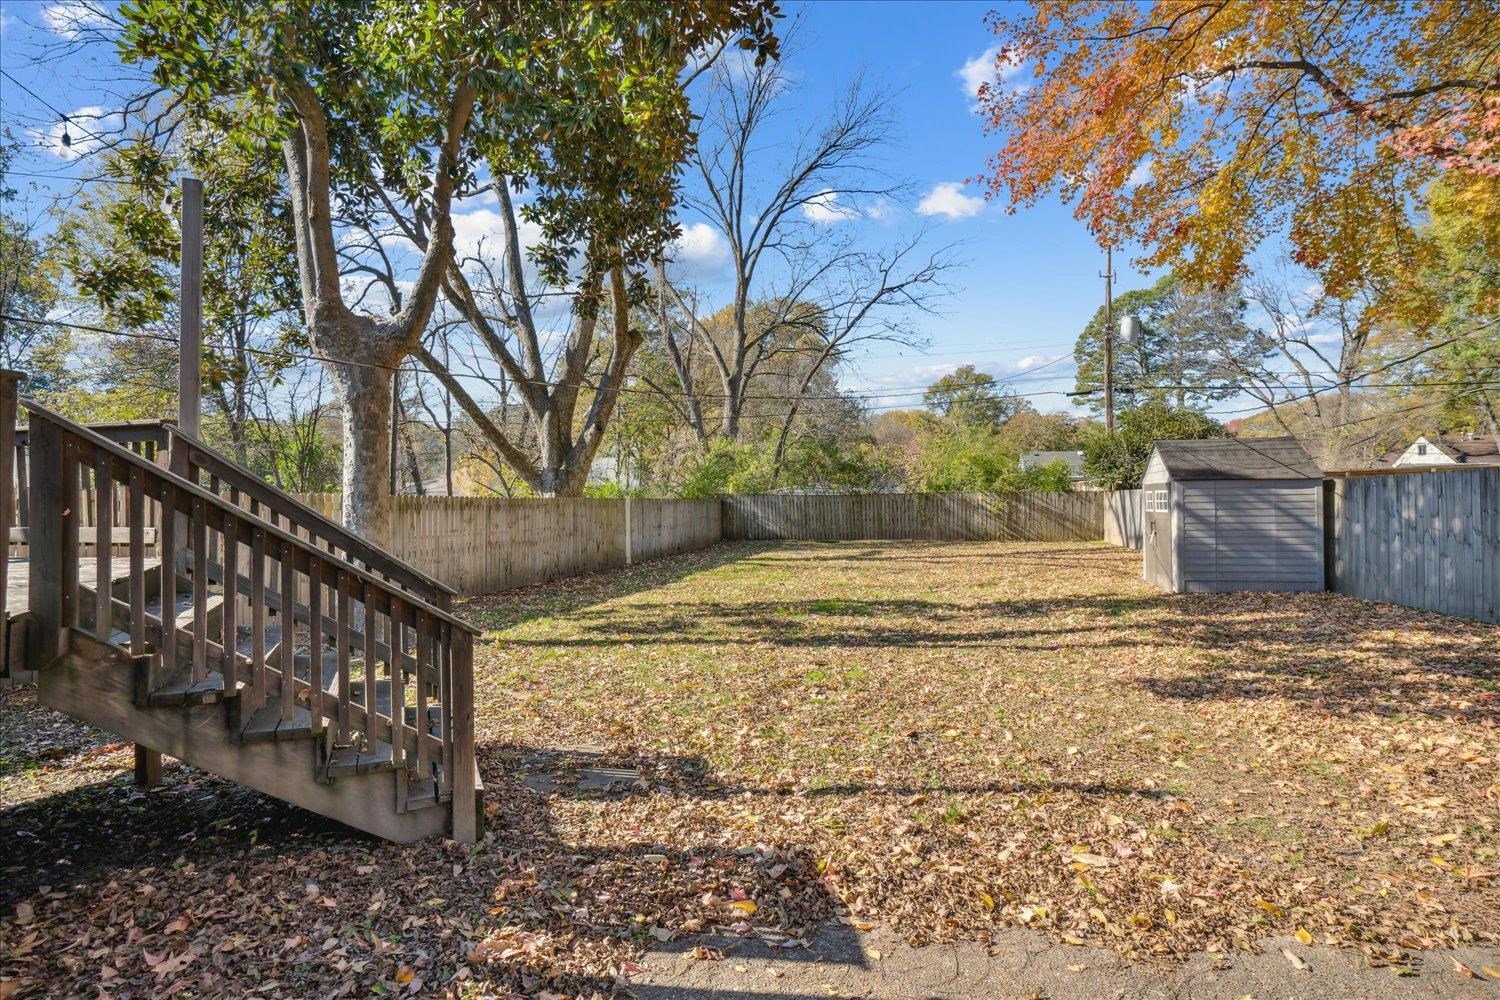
(147, 767)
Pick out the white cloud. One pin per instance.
(948, 199)
(1140, 175)
(987, 67)
(824, 208)
(482, 231)
(883, 208)
(7, 22)
(71, 18)
(700, 247)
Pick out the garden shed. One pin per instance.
(1231, 514)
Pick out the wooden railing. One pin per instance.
(367, 632)
(147, 438)
(197, 462)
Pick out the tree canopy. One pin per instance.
(971, 397)
(1202, 130)
(1188, 340)
(1118, 461)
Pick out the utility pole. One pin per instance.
(1109, 340)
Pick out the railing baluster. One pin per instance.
(445, 699)
(71, 470)
(229, 531)
(315, 643)
(257, 617)
(104, 510)
(136, 514)
(398, 707)
(213, 543)
(200, 590)
(342, 644)
(167, 533)
(22, 509)
(288, 631)
(369, 702)
(424, 662)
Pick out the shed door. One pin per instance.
(1267, 534)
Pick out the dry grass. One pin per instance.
(943, 737)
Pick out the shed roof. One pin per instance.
(1237, 458)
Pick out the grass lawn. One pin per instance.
(943, 738)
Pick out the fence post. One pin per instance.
(45, 543)
(8, 383)
(627, 531)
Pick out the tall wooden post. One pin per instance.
(10, 659)
(189, 398)
(190, 364)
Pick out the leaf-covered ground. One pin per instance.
(940, 738)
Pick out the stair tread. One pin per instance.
(354, 760)
(182, 689)
(267, 724)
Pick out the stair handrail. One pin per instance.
(323, 528)
(57, 612)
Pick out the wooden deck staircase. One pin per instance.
(193, 609)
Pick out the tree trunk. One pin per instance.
(365, 396)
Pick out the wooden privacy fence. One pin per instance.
(480, 545)
(1426, 540)
(1008, 517)
(1122, 518)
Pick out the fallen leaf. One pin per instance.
(1303, 936)
(1297, 963)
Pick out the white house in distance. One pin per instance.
(1037, 459)
(1440, 450)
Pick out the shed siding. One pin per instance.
(1252, 535)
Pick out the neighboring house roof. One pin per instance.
(1464, 451)
(1037, 459)
(1237, 458)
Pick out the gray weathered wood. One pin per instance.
(1427, 541)
(1038, 517)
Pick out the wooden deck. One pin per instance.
(17, 579)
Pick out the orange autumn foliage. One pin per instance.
(1203, 128)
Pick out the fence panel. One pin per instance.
(1122, 518)
(481, 545)
(1021, 517)
(1427, 541)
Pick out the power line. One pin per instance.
(893, 392)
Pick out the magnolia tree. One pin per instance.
(398, 110)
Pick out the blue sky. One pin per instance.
(1030, 280)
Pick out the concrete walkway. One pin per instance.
(844, 963)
